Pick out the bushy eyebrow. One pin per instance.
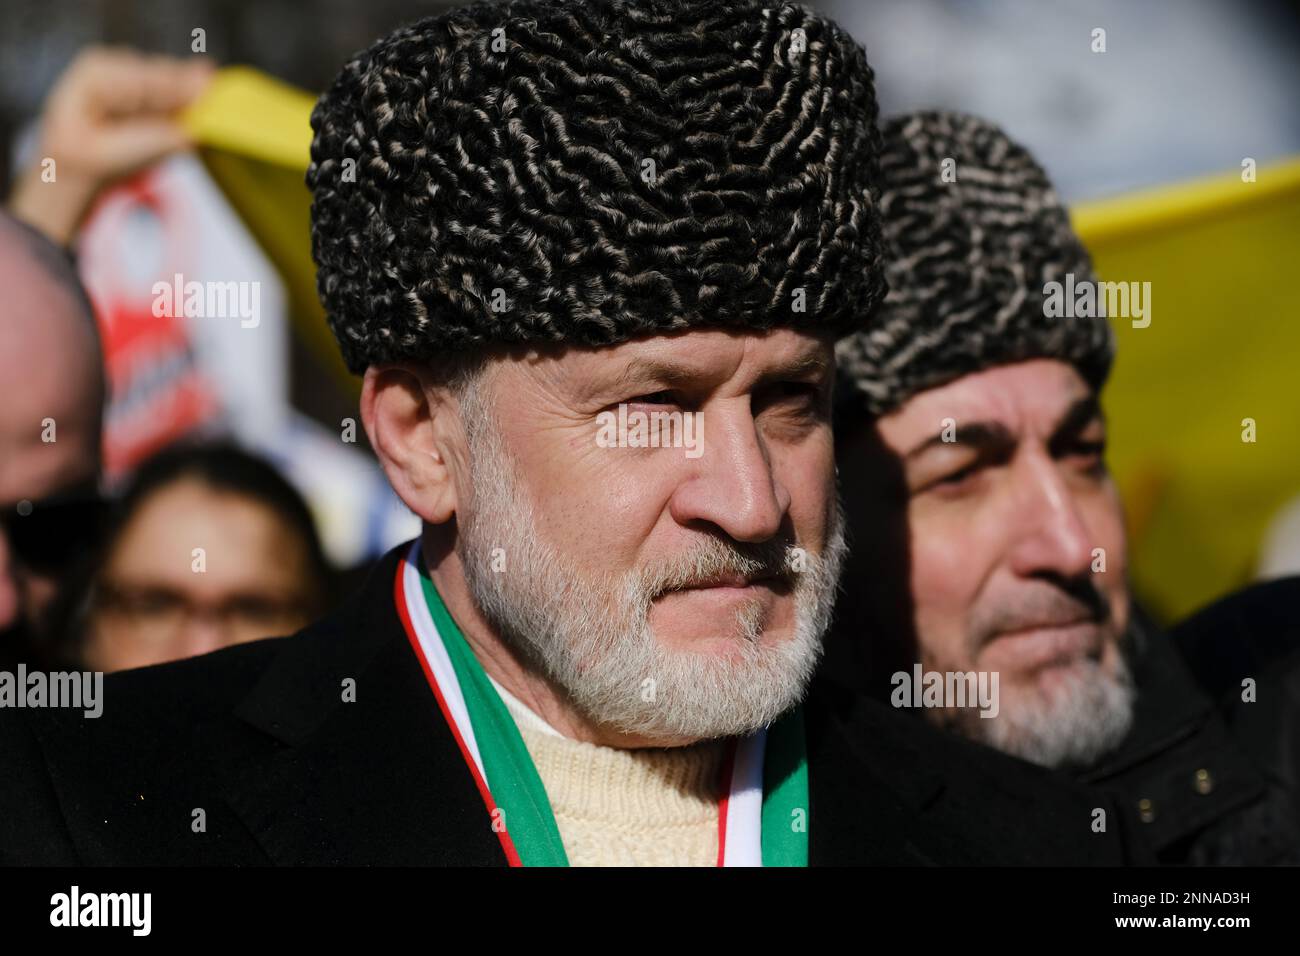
(1077, 417)
(674, 374)
(668, 371)
(993, 437)
(981, 436)
(809, 365)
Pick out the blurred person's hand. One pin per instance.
(111, 113)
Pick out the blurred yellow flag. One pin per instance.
(1222, 348)
(254, 135)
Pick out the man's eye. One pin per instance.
(1091, 453)
(956, 482)
(957, 477)
(803, 397)
(662, 397)
(804, 391)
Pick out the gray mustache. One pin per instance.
(1077, 601)
(768, 559)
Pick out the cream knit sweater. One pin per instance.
(650, 807)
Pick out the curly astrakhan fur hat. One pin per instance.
(586, 171)
(974, 234)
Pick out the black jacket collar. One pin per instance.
(378, 780)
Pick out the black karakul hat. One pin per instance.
(586, 171)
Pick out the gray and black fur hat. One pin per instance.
(585, 171)
(973, 232)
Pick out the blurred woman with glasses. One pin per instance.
(208, 547)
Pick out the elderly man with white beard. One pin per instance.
(988, 537)
(526, 215)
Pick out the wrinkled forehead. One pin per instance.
(1025, 398)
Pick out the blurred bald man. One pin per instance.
(111, 113)
(51, 404)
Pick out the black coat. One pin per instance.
(259, 738)
(1185, 780)
(1184, 777)
(1255, 634)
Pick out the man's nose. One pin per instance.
(1052, 535)
(732, 484)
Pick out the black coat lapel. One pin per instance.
(856, 816)
(376, 781)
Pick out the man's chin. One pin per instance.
(709, 686)
(1068, 713)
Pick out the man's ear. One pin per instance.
(414, 429)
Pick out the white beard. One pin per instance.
(1081, 720)
(588, 632)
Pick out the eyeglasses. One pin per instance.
(45, 535)
(159, 613)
